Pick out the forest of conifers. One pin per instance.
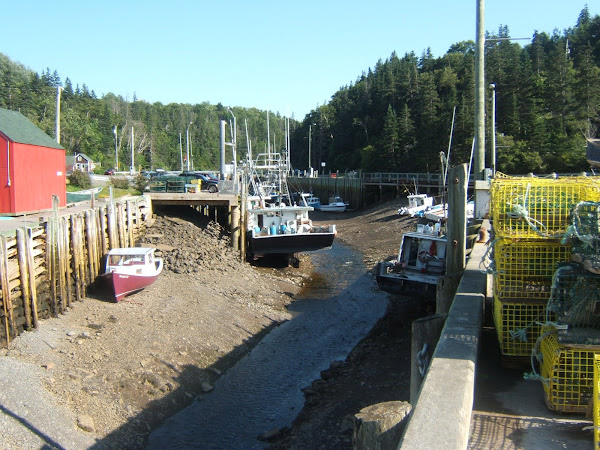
(396, 117)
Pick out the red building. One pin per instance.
(32, 166)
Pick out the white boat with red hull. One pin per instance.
(129, 270)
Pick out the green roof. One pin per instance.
(20, 129)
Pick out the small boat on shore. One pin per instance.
(417, 205)
(336, 204)
(129, 270)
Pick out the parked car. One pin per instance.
(207, 184)
(109, 172)
(149, 173)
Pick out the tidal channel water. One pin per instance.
(263, 390)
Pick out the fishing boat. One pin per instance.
(440, 212)
(312, 201)
(417, 204)
(276, 224)
(421, 259)
(336, 204)
(593, 152)
(129, 270)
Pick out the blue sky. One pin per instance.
(287, 56)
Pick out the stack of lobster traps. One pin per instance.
(547, 281)
(571, 342)
(530, 217)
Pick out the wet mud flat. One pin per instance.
(264, 391)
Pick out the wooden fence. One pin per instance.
(44, 269)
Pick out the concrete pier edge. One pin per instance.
(442, 416)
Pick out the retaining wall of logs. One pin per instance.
(44, 269)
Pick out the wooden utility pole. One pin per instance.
(457, 220)
(479, 155)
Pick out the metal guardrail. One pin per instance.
(402, 178)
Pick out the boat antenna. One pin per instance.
(268, 137)
(449, 146)
(471, 159)
(446, 162)
(248, 143)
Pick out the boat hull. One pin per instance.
(123, 285)
(290, 243)
(332, 208)
(421, 259)
(129, 270)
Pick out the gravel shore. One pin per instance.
(105, 374)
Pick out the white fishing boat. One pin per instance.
(439, 212)
(421, 258)
(276, 224)
(417, 204)
(336, 204)
(129, 270)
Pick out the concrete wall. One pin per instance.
(442, 416)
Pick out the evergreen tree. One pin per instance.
(390, 139)
(587, 91)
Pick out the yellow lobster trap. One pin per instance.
(568, 372)
(518, 325)
(524, 268)
(596, 402)
(535, 208)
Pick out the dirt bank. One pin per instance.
(119, 369)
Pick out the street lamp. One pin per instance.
(493, 137)
(233, 142)
(187, 145)
(309, 144)
(116, 149)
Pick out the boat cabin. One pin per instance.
(416, 203)
(421, 259)
(120, 258)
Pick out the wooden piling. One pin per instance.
(112, 226)
(235, 227)
(31, 276)
(60, 264)
(103, 230)
(121, 226)
(24, 274)
(89, 239)
(9, 320)
(457, 220)
(75, 258)
(380, 426)
(66, 269)
(95, 244)
(130, 239)
(51, 263)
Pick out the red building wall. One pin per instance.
(36, 173)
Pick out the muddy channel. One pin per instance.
(263, 391)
